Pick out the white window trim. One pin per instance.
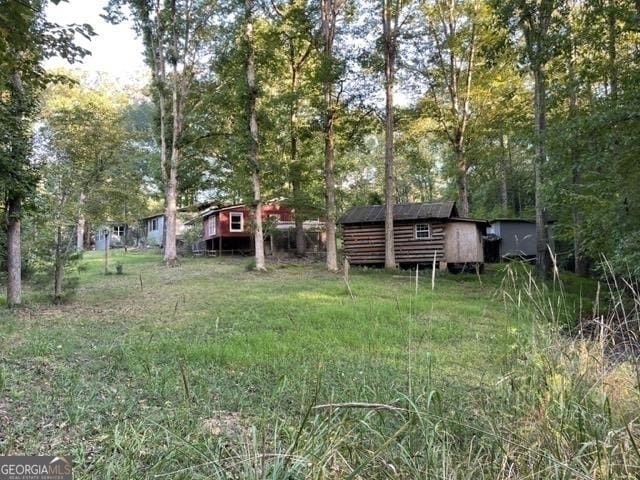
(415, 231)
(212, 226)
(151, 224)
(231, 229)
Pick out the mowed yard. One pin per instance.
(153, 372)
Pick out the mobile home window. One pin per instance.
(118, 230)
(153, 225)
(237, 222)
(423, 231)
(211, 226)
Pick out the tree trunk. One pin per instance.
(296, 180)
(330, 190)
(107, 241)
(14, 255)
(19, 153)
(543, 263)
(580, 265)
(301, 242)
(612, 50)
(504, 174)
(170, 247)
(81, 227)
(389, 184)
(58, 271)
(80, 233)
(170, 254)
(254, 159)
(612, 70)
(258, 234)
(297, 193)
(329, 12)
(126, 228)
(462, 181)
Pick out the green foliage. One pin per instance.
(26, 39)
(192, 234)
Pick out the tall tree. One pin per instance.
(538, 21)
(26, 39)
(330, 10)
(87, 151)
(452, 29)
(293, 32)
(390, 31)
(174, 35)
(253, 141)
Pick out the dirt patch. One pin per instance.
(228, 424)
(4, 415)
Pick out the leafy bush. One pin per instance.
(191, 235)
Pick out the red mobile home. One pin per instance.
(228, 229)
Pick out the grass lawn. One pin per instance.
(158, 369)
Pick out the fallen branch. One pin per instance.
(370, 406)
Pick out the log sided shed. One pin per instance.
(421, 230)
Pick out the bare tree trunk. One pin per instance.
(462, 181)
(170, 247)
(329, 12)
(504, 173)
(126, 228)
(170, 254)
(389, 183)
(80, 233)
(296, 168)
(301, 241)
(330, 192)
(543, 260)
(254, 159)
(168, 166)
(14, 255)
(58, 271)
(614, 80)
(81, 226)
(258, 234)
(580, 265)
(14, 201)
(107, 242)
(612, 50)
(297, 190)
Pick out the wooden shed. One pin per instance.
(421, 231)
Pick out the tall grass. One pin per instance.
(564, 408)
(141, 398)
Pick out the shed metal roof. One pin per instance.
(401, 211)
(512, 220)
